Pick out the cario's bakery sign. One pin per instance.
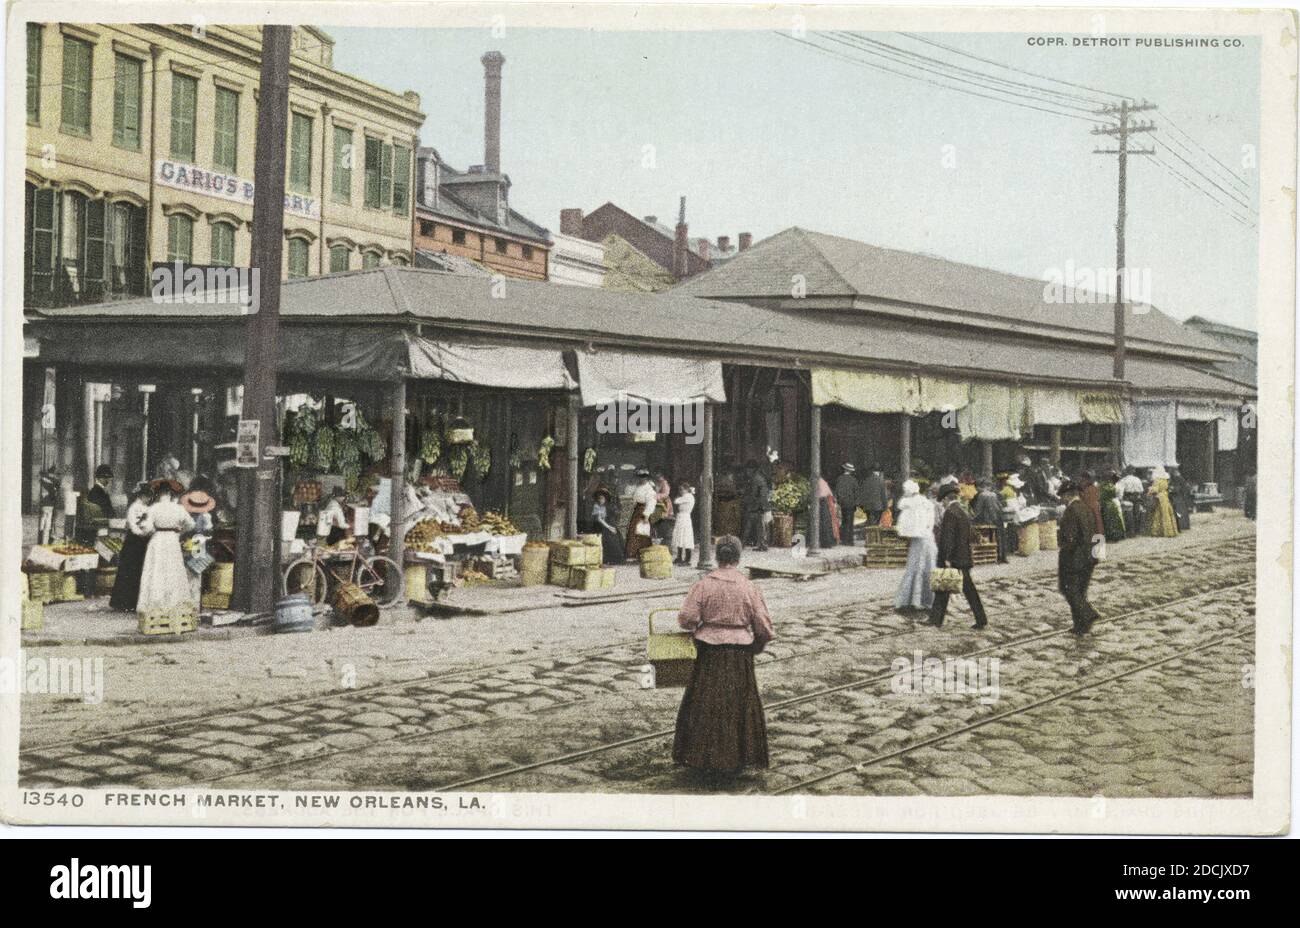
(195, 179)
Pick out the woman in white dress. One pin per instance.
(916, 523)
(683, 531)
(166, 604)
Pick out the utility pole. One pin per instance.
(1121, 132)
(257, 539)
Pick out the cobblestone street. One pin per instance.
(1156, 702)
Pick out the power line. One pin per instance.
(1192, 185)
(1230, 194)
(1241, 183)
(879, 67)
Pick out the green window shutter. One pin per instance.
(343, 157)
(300, 154)
(340, 256)
(374, 155)
(76, 86)
(137, 275)
(117, 240)
(225, 146)
(45, 219)
(386, 177)
(185, 93)
(401, 179)
(128, 73)
(223, 244)
(180, 238)
(298, 257)
(370, 259)
(95, 247)
(34, 32)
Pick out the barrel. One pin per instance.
(782, 530)
(351, 602)
(417, 583)
(1028, 537)
(293, 614)
(1047, 535)
(532, 569)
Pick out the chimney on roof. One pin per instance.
(702, 248)
(571, 222)
(651, 220)
(681, 246)
(724, 243)
(492, 62)
(746, 239)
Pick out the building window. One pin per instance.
(500, 245)
(125, 247)
(75, 116)
(223, 244)
(126, 101)
(225, 137)
(401, 179)
(34, 33)
(379, 174)
(185, 95)
(399, 261)
(340, 258)
(180, 238)
(426, 227)
(299, 255)
(342, 186)
(300, 154)
(528, 252)
(370, 259)
(81, 249)
(458, 236)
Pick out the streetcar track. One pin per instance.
(1002, 716)
(806, 697)
(174, 726)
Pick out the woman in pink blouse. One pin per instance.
(720, 725)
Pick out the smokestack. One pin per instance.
(702, 248)
(724, 243)
(492, 62)
(681, 264)
(571, 222)
(746, 239)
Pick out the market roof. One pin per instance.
(884, 281)
(1243, 341)
(668, 323)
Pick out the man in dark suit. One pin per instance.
(1077, 538)
(875, 495)
(954, 551)
(846, 494)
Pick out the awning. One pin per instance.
(1052, 406)
(995, 413)
(1102, 408)
(1202, 410)
(608, 376)
(1151, 438)
(1227, 439)
(870, 391)
(507, 367)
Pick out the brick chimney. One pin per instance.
(571, 222)
(492, 62)
(681, 246)
(702, 248)
(724, 243)
(746, 239)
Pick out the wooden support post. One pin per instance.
(1211, 448)
(814, 474)
(397, 473)
(986, 465)
(1056, 445)
(571, 529)
(706, 561)
(904, 446)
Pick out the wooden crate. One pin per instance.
(558, 574)
(215, 600)
(220, 578)
(591, 578)
(983, 553)
(33, 615)
(884, 547)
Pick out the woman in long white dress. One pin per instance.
(916, 523)
(166, 604)
(683, 531)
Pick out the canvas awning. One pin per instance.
(996, 412)
(503, 366)
(608, 376)
(1102, 408)
(1151, 437)
(875, 392)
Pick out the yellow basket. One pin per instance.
(105, 577)
(656, 570)
(417, 588)
(1047, 535)
(591, 578)
(220, 578)
(533, 565)
(172, 624)
(33, 616)
(591, 540)
(672, 654)
(559, 575)
(215, 601)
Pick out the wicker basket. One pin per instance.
(656, 563)
(417, 583)
(591, 540)
(533, 563)
(782, 529)
(558, 574)
(33, 616)
(1047, 535)
(591, 578)
(1029, 536)
(215, 600)
(44, 585)
(672, 654)
(220, 578)
(105, 577)
(575, 554)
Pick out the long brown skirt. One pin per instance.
(720, 725)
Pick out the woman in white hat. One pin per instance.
(1163, 523)
(916, 524)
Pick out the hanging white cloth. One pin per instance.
(1151, 438)
(506, 366)
(609, 376)
(1228, 430)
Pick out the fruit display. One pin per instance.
(497, 524)
(70, 550)
(421, 535)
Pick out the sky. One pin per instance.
(761, 133)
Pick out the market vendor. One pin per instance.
(644, 498)
(610, 543)
(332, 522)
(98, 493)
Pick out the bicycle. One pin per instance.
(377, 576)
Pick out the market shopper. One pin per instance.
(1180, 497)
(663, 517)
(987, 510)
(199, 502)
(611, 545)
(916, 524)
(829, 529)
(847, 495)
(683, 537)
(1112, 514)
(1162, 523)
(756, 505)
(130, 560)
(720, 724)
(955, 551)
(639, 530)
(165, 595)
(98, 496)
(1090, 493)
(1130, 491)
(1077, 540)
(874, 496)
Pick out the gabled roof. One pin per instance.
(856, 275)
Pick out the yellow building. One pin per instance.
(140, 148)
